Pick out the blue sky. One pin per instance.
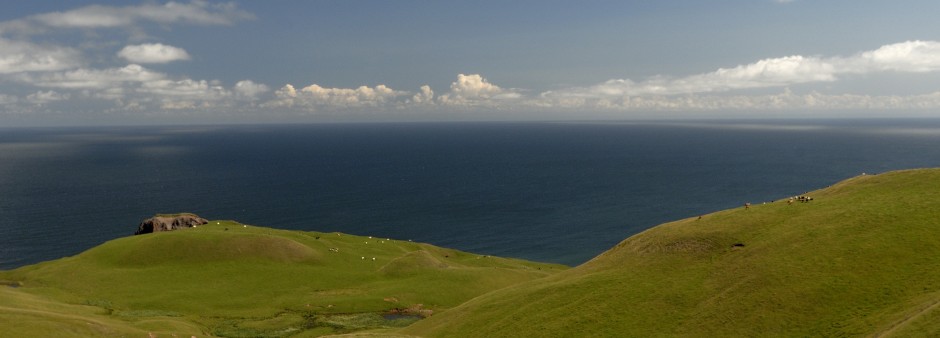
(117, 62)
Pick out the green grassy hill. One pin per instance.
(234, 280)
(861, 259)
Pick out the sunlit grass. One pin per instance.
(231, 279)
(860, 259)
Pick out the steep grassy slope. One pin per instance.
(863, 258)
(229, 279)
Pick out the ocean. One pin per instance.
(548, 191)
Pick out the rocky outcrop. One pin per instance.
(169, 223)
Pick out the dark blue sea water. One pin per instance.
(558, 192)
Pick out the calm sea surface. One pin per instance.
(558, 192)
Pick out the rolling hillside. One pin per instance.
(236, 280)
(862, 258)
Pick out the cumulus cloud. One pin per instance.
(473, 86)
(363, 95)
(98, 16)
(20, 56)
(468, 91)
(314, 96)
(473, 89)
(286, 92)
(424, 96)
(152, 53)
(910, 56)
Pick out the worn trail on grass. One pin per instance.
(907, 320)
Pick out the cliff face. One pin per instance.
(169, 223)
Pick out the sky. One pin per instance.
(195, 62)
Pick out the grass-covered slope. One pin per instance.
(862, 258)
(230, 279)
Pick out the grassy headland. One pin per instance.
(862, 258)
(229, 279)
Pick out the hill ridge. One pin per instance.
(853, 261)
(230, 279)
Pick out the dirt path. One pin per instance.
(907, 320)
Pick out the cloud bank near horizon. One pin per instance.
(707, 91)
(46, 75)
(908, 57)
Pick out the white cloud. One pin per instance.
(286, 92)
(474, 90)
(84, 78)
(247, 89)
(473, 86)
(19, 56)
(351, 97)
(910, 56)
(314, 95)
(468, 91)
(152, 53)
(424, 96)
(98, 16)
(135, 83)
(61, 73)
